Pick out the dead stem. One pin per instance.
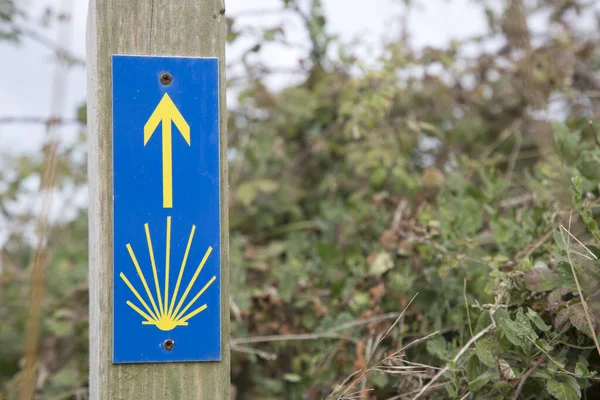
(586, 311)
(524, 377)
(454, 360)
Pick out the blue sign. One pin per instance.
(167, 273)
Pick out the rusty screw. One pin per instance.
(166, 78)
(169, 344)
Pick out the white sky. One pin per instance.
(28, 69)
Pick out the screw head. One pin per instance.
(166, 78)
(169, 344)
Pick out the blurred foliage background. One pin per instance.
(423, 225)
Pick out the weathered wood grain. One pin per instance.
(193, 28)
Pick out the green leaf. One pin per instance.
(571, 381)
(474, 368)
(459, 217)
(577, 191)
(503, 387)
(67, 377)
(537, 320)
(561, 390)
(246, 193)
(437, 347)
(515, 332)
(581, 370)
(293, 378)
(579, 320)
(540, 278)
(542, 374)
(478, 383)
(487, 351)
(524, 324)
(379, 176)
(543, 344)
(379, 380)
(562, 318)
(267, 186)
(451, 389)
(383, 262)
(359, 301)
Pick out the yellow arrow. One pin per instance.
(165, 112)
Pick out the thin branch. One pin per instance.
(441, 249)
(454, 360)
(577, 240)
(525, 253)
(357, 395)
(376, 318)
(391, 327)
(411, 344)
(405, 395)
(249, 350)
(558, 364)
(366, 368)
(284, 338)
(60, 52)
(526, 375)
(261, 12)
(319, 335)
(261, 73)
(467, 306)
(364, 372)
(39, 120)
(586, 311)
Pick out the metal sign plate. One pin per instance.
(167, 273)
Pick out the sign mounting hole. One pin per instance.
(166, 78)
(169, 344)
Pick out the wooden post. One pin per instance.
(191, 28)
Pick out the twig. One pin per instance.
(405, 395)
(529, 251)
(513, 156)
(411, 344)
(249, 350)
(559, 365)
(284, 338)
(454, 360)
(261, 12)
(467, 306)
(319, 335)
(577, 240)
(526, 375)
(48, 43)
(440, 248)
(38, 120)
(357, 395)
(586, 311)
(518, 201)
(365, 321)
(392, 327)
(366, 369)
(364, 372)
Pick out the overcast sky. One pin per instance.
(28, 69)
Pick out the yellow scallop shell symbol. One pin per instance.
(164, 314)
